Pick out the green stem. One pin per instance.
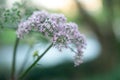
(14, 59)
(34, 63)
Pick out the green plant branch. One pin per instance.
(14, 59)
(93, 24)
(34, 63)
(110, 15)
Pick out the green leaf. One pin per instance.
(35, 54)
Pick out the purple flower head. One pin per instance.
(55, 26)
(23, 27)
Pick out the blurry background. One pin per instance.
(99, 20)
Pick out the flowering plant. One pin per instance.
(62, 34)
(54, 26)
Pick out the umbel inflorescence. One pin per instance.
(56, 27)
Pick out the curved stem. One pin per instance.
(34, 63)
(14, 59)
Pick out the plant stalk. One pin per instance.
(14, 59)
(34, 63)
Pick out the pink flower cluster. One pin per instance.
(55, 26)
